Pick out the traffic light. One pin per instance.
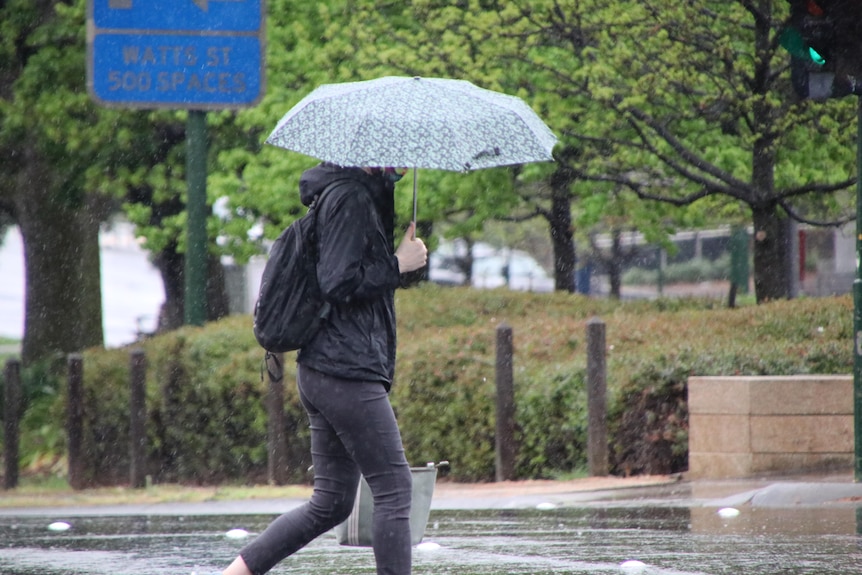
(820, 38)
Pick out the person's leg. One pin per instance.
(362, 416)
(392, 489)
(336, 478)
(388, 476)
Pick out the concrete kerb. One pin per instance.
(828, 490)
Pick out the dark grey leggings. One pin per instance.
(353, 431)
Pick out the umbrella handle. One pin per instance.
(414, 201)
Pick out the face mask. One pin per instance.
(394, 174)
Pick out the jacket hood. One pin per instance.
(314, 180)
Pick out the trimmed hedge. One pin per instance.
(205, 396)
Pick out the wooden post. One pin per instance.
(506, 450)
(75, 421)
(597, 426)
(12, 422)
(275, 437)
(137, 418)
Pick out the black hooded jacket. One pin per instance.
(358, 274)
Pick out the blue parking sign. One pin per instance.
(187, 54)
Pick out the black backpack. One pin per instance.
(290, 307)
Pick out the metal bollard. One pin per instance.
(137, 418)
(275, 436)
(506, 449)
(12, 422)
(597, 442)
(75, 421)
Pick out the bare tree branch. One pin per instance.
(811, 222)
(816, 188)
(684, 153)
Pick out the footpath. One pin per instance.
(786, 491)
(795, 491)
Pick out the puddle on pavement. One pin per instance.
(669, 541)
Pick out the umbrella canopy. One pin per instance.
(430, 123)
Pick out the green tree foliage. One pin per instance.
(668, 116)
(702, 90)
(686, 105)
(680, 105)
(538, 52)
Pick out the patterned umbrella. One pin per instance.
(414, 122)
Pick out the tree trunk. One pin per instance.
(171, 266)
(771, 254)
(466, 264)
(772, 275)
(560, 224)
(60, 232)
(217, 304)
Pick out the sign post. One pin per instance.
(197, 254)
(195, 55)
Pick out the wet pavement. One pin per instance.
(799, 525)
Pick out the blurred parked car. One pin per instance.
(492, 268)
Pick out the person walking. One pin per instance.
(345, 373)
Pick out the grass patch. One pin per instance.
(9, 348)
(55, 492)
(579, 473)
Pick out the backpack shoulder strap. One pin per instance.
(315, 203)
(313, 235)
(312, 211)
(318, 199)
